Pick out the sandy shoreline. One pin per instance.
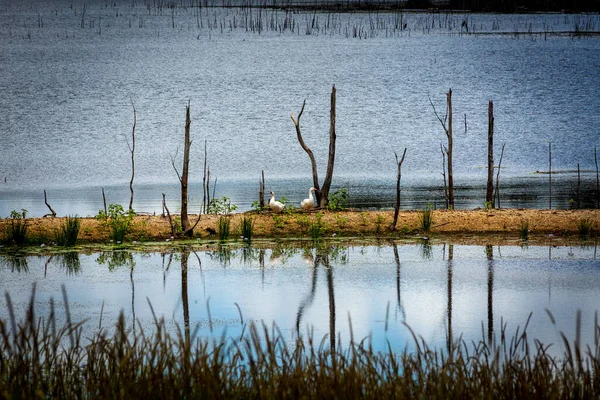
(463, 226)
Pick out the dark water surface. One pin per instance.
(68, 77)
(439, 291)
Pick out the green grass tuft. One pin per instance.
(68, 232)
(223, 227)
(426, 218)
(247, 227)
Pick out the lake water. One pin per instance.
(69, 76)
(440, 291)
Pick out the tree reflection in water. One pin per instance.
(322, 257)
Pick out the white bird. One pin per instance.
(276, 206)
(308, 204)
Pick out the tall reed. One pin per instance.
(17, 230)
(223, 227)
(247, 227)
(426, 218)
(41, 359)
(68, 232)
(586, 227)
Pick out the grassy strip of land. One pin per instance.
(508, 223)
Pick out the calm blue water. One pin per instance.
(437, 290)
(69, 76)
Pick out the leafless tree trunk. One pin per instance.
(183, 178)
(398, 177)
(443, 150)
(308, 151)
(550, 175)
(597, 178)
(320, 194)
(185, 223)
(331, 158)
(104, 200)
(449, 135)
(447, 126)
(164, 204)
(261, 191)
(132, 151)
(489, 195)
(497, 188)
(578, 187)
(204, 191)
(52, 212)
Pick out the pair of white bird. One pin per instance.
(306, 204)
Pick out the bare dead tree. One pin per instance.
(398, 177)
(321, 194)
(578, 187)
(164, 204)
(132, 151)
(204, 200)
(497, 188)
(443, 150)
(331, 157)
(489, 195)
(308, 151)
(185, 223)
(550, 175)
(207, 189)
(261, 191)
(597, 178)
(52, 212)
(447, 126)
(104, 200)
(183, 178)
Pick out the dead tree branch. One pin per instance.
(185, 223)
(497, 188)
(489, 194)
(398, 177)
(132, 150)
(331, 157)
(164, 204)
(52, 212)
(308, 151)
(446, 123)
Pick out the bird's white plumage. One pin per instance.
(308, 204)
(275, 205)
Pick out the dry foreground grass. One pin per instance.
(466, 226)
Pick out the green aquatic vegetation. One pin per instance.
(426, 218)
(223, 227)
(586, 227)
(247, 227)
(117, 220)
(338, 200)
(221, 206)
(17, 229)
(68, 232)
